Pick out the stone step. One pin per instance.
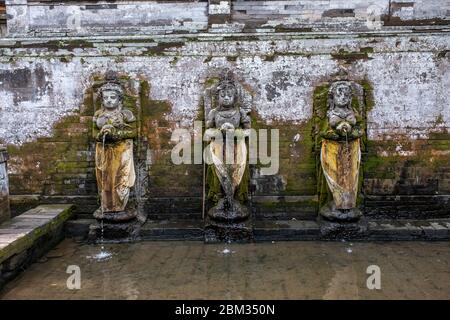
(283, 230)
(173, 230)
(78, 228)
(432, 229)
(25, 238)
(286, 230)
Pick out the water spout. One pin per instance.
(102, 229)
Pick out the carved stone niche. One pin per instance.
(5, 213)
(227, 107)
(115, 132)
(339, 131)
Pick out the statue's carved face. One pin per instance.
(227, 96)
(342, 95)
(110, 99)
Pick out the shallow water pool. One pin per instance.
(279, 270)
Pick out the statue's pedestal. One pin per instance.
(333, 230)
(219, 231)
(230, 223)
(108, 231)
(121, 216)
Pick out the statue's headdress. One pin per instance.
(337, 84)
(226, 79)
(333, 88)
(112, 84)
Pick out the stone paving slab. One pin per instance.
(21, 232)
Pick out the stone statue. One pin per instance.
(227, 127)
(5, 212)
(114, 165)
(340, 153)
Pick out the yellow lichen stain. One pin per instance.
(115, 173)
(340, 162)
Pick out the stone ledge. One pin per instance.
(284, 230)
(152, 230)
(24, 231)
(152, 40)
(379, 230)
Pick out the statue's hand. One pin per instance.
(330, 134)
(344, 128)
(241, 133)
(211, 134)
(117, 123)
(107, 129)
(227, 126)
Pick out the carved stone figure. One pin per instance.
(340, 154)
(114, 165)
(227, 127)
(5, 213)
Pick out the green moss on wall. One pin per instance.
(297, 162)
(349, 57)
(162, 47)
(51, 165)
(56, 45)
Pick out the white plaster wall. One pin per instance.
(409, 75)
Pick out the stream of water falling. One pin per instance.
(102, 255)
(103, 188)
(346, 139)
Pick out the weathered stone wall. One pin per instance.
(46, 106)
(338, 15)
(2, 19)
(83, 18)
(49, 17)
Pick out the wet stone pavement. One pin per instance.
(280, 270)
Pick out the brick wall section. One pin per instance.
(59, 169)
(406, 178)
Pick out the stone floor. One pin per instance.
(278, 270)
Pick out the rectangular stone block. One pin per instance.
(17, 17)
